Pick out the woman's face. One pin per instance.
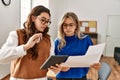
(41, 21)
(69, 27)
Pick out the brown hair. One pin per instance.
(30, 28)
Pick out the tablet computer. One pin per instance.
(52, 60)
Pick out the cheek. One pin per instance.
(64, 30)
(37, 24)
(73, 30)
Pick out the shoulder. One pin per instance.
(47, 36)
(21, 31)
(51, 40)
(57, 41)
(87, 39)
(84, 36)
(13, 34)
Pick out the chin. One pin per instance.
(41, 30)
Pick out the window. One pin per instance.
(26, 6)
(25, 9)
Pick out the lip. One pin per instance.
(68, 31)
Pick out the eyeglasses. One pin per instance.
(44, 21)
(71, 25)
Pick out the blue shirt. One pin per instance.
(74, 46)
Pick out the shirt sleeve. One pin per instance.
(10, 49)
(89, 40)
(52, 47)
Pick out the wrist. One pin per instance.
(25, 47)
(64, 69)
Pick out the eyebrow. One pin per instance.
(44, 18)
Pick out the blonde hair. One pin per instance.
(61, 33)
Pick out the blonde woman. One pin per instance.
(72, 43)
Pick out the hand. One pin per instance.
(96, 66)
(32, 41)
(56, 69)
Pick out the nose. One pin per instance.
(67, 27)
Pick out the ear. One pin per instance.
(33, 18)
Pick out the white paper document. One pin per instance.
(92, 56)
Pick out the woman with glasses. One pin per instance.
(28, 48)
(72, 43)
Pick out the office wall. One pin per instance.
(9, 19)
(86, 10)
(56, 8)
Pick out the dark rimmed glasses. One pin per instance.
(44, 21)
(65, 25)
